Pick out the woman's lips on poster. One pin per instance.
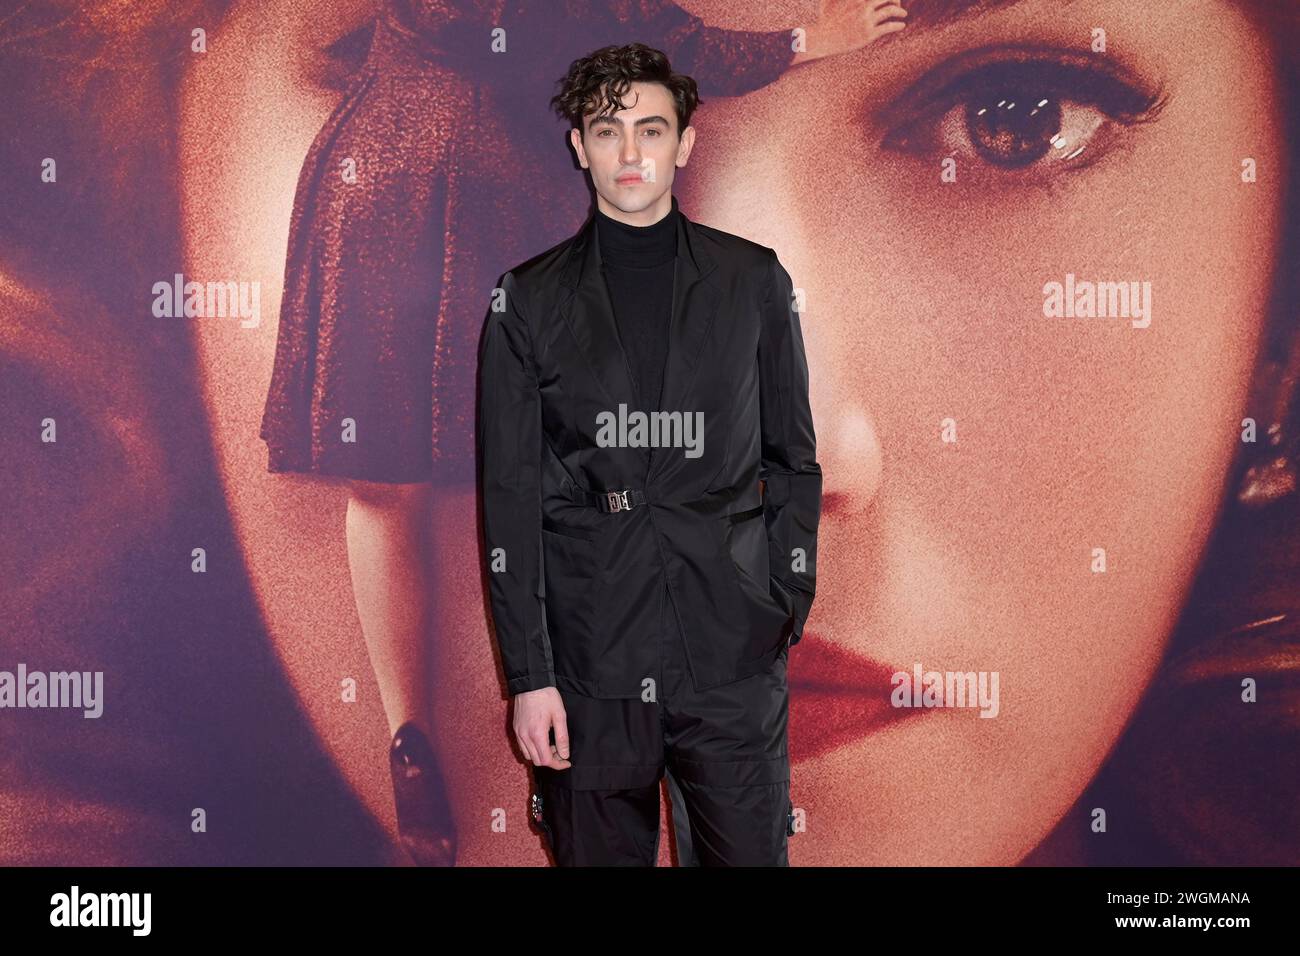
(837, 697)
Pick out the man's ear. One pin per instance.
(575, 137)
(686, 145)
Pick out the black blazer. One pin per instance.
(575, 590)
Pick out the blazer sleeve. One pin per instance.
(792, 478)
(509, 438)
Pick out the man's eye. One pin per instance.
(1020, 114)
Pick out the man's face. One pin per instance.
(633, 153)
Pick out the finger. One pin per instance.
(561, 721)
(556, 762)
(537, 746)
(553, 758)
(541, 747)
(525, 747)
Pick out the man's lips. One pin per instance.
(836, 697)
(628, 180)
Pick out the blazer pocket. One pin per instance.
(573, 574)
(740, 516)
(746, 543)
(569, 532)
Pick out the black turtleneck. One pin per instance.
(638, 262)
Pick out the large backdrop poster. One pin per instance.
(1046, 259)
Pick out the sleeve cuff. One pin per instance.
(527, 682)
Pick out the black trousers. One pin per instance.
(725, 748)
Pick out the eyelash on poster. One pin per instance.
(931, 99)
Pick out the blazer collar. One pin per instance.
(590, 316)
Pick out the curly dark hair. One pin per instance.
(596, 83)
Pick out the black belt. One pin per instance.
(609, 501)
(628, 498)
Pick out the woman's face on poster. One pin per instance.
(1005, 491)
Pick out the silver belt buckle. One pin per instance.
(618, 500)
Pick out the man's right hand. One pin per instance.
(536, 712)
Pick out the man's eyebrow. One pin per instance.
(643, 121)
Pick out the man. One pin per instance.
(651, 497)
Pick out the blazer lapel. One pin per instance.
(590, 315)
(695, 303)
